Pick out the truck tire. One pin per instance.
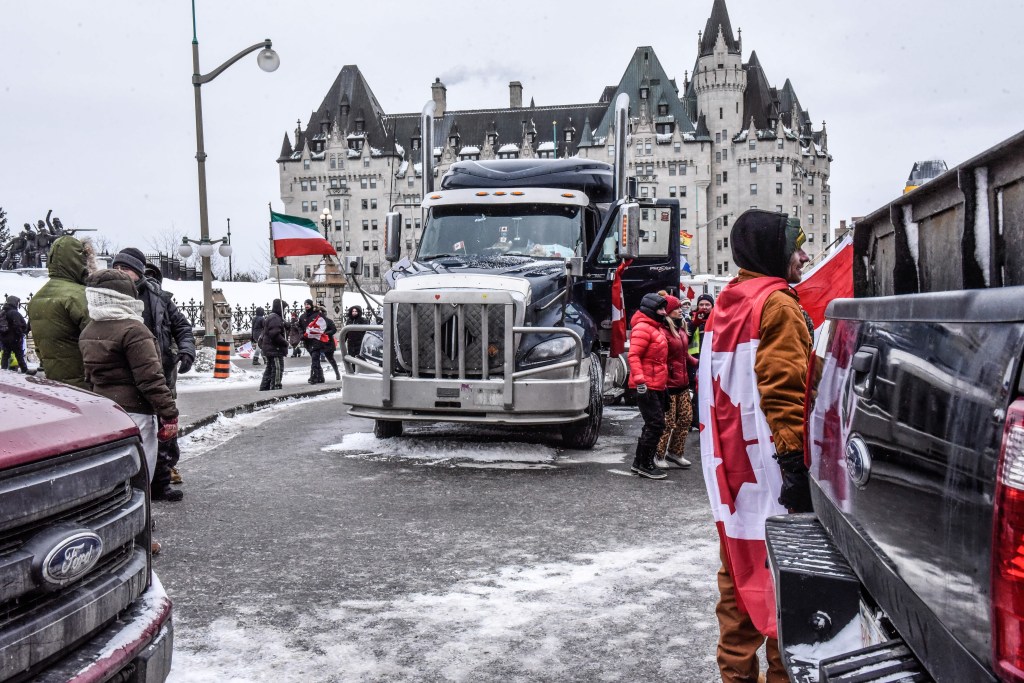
(582, 434)
(387, 429)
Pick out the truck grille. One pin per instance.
(99, 491)
(468, 339)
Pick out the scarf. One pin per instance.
(107, 304)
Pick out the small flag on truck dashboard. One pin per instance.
(459, 245)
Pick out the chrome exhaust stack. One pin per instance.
(621, 128)
(427, 146)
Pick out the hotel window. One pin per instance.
(778, 167)
(373, 203)
(810, 199)
(305, 164)
(671, 169)
(376, 245)
(647, 148)
(753, 167)
(753, 188)
(373, 224)
(672, 191)
(778, 188)
(752, 144)
(682, 191)
(366, 245)
(334, 162)
(364, 204)
(348, 245)
(337, 225)
(725, 221)
(305, 207)
(810, 219)
(366, 224)
(677, 147)
(718, 179)
(725, 155)
(366, 163)
(780, 144)
(725, 198)
(304, 184)
(373, 183)
(313, 207)
(337, 205)
(682, 212)
(363, 182)
(312, 184)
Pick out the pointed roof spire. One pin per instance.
(286, 149)
(718, 21)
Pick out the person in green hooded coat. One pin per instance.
(59, 312)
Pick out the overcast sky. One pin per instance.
(98, 117)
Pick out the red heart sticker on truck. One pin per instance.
(437, 296)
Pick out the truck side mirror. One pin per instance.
(574, 266)
(354, 265)
(629, 230)
(393, 236)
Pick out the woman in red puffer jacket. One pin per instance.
(648, 374)
(680, 410)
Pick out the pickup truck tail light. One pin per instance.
(1008, 551)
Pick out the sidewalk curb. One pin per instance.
(251, 407)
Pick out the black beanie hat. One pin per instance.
(153, 272)
(133, 259)
(307, 301)
(650, 304)
(706, 297)
(111, 279)
(759, 242)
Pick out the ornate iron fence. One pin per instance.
(241, 318)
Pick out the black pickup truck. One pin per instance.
(912, 566)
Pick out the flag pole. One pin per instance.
(273, 255)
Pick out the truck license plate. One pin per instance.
(489, 397)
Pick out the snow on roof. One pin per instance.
(400, 150)
(664, 138)
(438, 151)
(508, 147)
(470, 149)
(742, 136)
(355, 136)
(402, 169)
(354, 154)
(374, 152)
(689, 137)
(547, 146)
(417, 168)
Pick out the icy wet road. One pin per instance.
(307, 550)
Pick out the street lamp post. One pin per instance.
(325, 220)
(231, 274)
(268, 61)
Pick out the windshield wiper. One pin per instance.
(436, 256)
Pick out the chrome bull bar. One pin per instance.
(456, 343)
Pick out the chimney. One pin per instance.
(439, 93)
(515, 95)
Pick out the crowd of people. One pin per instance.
(736, 371)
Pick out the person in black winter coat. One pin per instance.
(332, 343)
(13, 329)
(354, 340)
(176, 343)
(274, 344)
(257, 332)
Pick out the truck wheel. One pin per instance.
(387, 429)
(582, 434)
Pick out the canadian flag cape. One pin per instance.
(830, 279)
(742, 478)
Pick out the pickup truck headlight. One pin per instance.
(372, 347)
(550, 349)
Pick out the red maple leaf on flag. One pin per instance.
(730, 445)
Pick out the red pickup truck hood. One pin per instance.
(41, 418)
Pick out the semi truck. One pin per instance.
(911, 567)
(503, 315)
(78, 598)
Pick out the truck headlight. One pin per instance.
(552, 348)
(372, 347)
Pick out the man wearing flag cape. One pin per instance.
(752, 376)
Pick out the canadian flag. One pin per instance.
(742, 478)
(830, 279)
(618, 342)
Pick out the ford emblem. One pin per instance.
(71, 558)
(858, 461)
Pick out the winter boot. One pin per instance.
(678, 460)
(165, 492)
(660, 462)
(652, 471)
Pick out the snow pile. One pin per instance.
(442, 451)
(807, 657)
(205, 439)
(549, 621)
(982, 228)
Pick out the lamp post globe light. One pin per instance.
(267, 60)
(325, 220)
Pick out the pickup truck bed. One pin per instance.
(905, 434)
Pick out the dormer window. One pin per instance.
(663, 109)
(644, 91)
(416, 143)
(568, 136)
(360, 123)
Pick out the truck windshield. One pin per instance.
(536, 230)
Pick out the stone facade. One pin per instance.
(723, 142)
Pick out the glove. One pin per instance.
(641, 388)
(185, 363)
(796, 487)
(168, 430)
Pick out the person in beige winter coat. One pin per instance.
(122, 362)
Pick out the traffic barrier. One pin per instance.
(222, 362)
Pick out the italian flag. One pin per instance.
(294, 236)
